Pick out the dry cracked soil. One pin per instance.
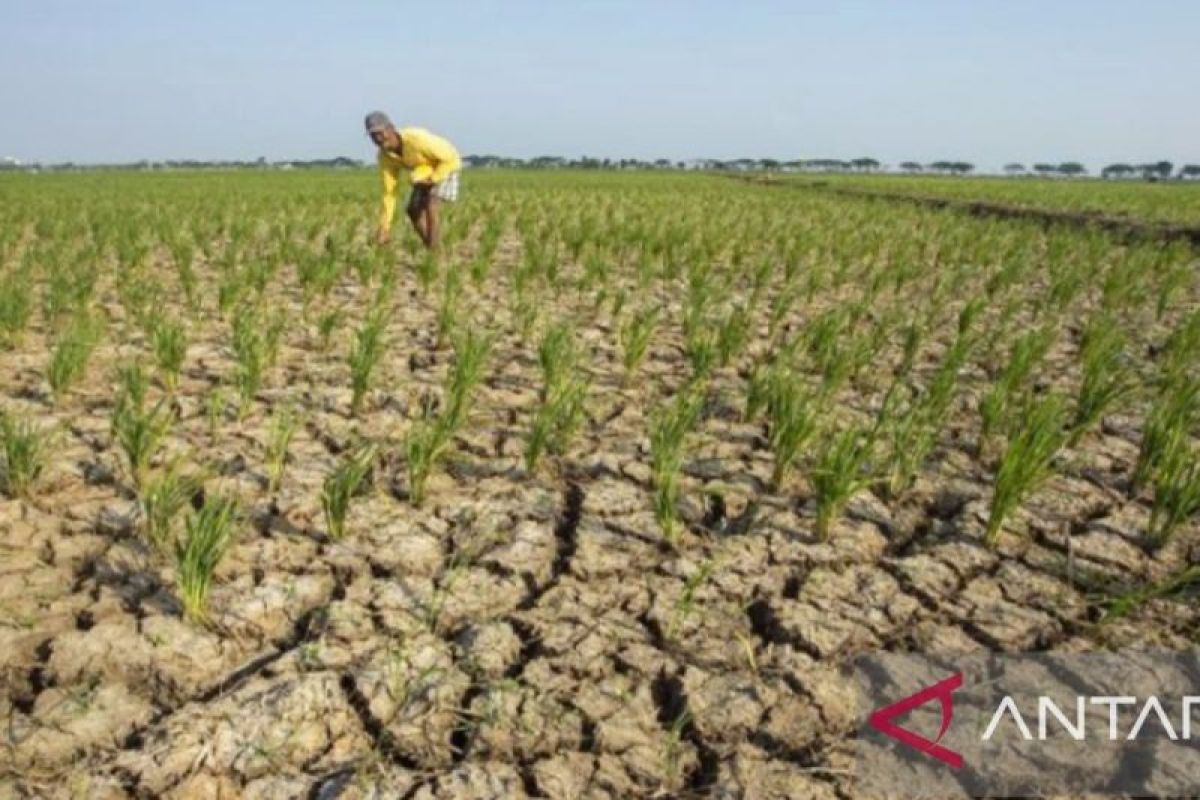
(519, 635)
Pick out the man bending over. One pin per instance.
(433, 166)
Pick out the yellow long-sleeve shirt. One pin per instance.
(427, 157)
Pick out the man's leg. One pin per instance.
(416, 211)
(432, 221)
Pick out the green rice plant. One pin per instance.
(430, 437)
(471, 354)
(1186, 581)
(16, 307)
(250, 350)
(327, 323)
(283, 425)
(556, 422)
(170, 343)
(479, 269)
(758, 390)
(733, 334)
(1181, 353)
(273, 336)
(427, 271)
(342, 485)
(183, 254)
(1176, 485)
(447, 319)
(1173, 281)
(700, 347)
(839, 472)
(1002, 403)
(25, 451)
(134, 385)
(424, 446)
(1107, 375)
(364, 357)
(214, 410)
(914, 335)
(161, 499)
(72, 351)
(669, 429)
(557, 356)
(792, 412)
(139, 432)
(969, 315)
(1038, 435)
(1172, 417)
(634, 336)
(845, 362)
(911, 435)
(685, 606)
(208, 535)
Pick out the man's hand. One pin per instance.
(383, 236)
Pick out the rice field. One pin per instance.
(1165, 202)
(599, 503)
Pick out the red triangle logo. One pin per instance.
(943, 692)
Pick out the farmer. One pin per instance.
(433, 166)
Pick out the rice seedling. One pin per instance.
(161, 499)
(911, 436)
(557, 356)
(139, 432)
(283, 425)
(669, 429)
(72, 351)
(1107, 376)
(1181, 583)
(214, 410)
(1172, 417)
(364, 357)
(424, 446)
(1173, 281)
(447, 319)
(342, 485)
(839, 472)
(208, 535)
(556, 421)
(685, 606)
(1038, 435)
(1176, 484)
(733, 334)
(427, 271)
(634, 337)
(249, 348)
(25, 449)
(792, 413)
(1002, 401)
(170, 344)
(1180, 355)
(430, 437)
(471, 355)
(16, 306)
(327, 323)
(273, 337)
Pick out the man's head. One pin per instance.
(382, 131)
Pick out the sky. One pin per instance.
(988, 82)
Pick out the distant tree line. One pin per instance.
(341, 162)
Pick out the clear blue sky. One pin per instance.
(986, 81)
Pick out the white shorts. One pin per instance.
(446, 190)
